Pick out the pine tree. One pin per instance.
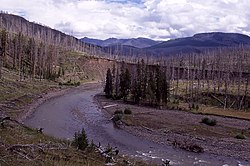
(144, 79)
(114, 80)
(108, 87)
(117, 84)
(122, 83)
(138, 84)
(158, 90)
(165, 88)
(125, 82)
(151, 88)
(1, 62)
(81, 140)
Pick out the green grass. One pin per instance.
(62, 154)
(11, 88)
(183, 84)
(15, 95)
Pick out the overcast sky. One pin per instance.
(156, 19)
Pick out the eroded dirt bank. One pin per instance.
(168, 126)
(49, 95)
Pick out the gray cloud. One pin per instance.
(158, 19)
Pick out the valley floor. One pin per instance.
(21, 145)
(184, 128)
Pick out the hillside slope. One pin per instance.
(200, 43)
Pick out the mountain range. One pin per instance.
(197, 43)
(135, 42)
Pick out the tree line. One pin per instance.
(219, 78)
(138, 83)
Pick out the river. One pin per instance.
(62, 116)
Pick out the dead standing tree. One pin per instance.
(1, 61)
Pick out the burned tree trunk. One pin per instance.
(1, 61)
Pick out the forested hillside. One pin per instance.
(36, 62)
(35, 50)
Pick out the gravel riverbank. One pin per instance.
(167, 126)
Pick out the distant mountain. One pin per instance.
(134, 42)
(200, 43)
(92, 41)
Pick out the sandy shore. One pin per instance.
(167, 126)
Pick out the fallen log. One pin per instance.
(22, 155)
(112, 105)
(218, 99)
(3, 161)
(147, 128)
(30, 146)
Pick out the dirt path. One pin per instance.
(168, 126)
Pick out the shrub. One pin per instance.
(240, 136)
(127, 111)
(78, 83)
(80, 140)
(117, 117)
(118, 112)
(180, 109)
(193, 106)
(210, 122)
(197, 107)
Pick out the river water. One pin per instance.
(62, 116)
